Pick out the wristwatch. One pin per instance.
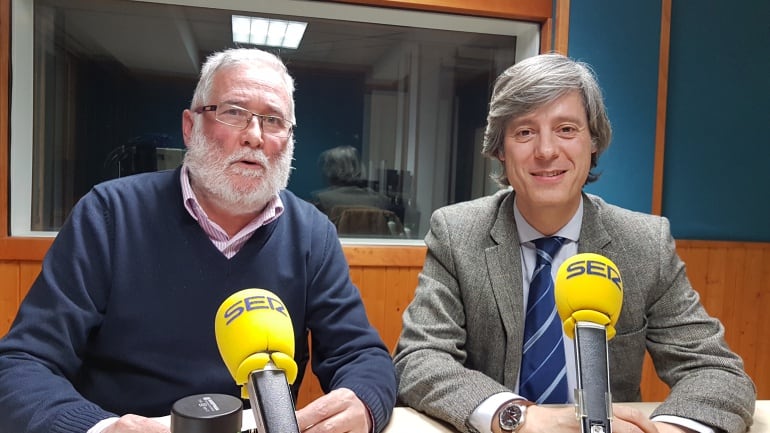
(512, 415)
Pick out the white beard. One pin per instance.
(211, 170)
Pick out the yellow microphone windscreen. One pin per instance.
(588, 288)
(252, 328)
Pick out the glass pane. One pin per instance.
(112, 77)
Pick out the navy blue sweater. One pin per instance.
(121, 318)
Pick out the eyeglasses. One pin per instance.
(237, 117)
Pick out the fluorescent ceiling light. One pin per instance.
(267, 32)
(258, 33)
(241, 29)
(275, 31)
(294, 33)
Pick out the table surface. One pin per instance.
(408, 420)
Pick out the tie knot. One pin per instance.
(548, 247)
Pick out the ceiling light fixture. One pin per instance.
(267, 32)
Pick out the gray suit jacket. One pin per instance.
(462, 334)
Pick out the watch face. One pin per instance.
(510, 417)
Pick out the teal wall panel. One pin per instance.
(621, 40)
(717, 147)
(717, 141)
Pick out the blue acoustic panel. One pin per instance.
(621, 41)
(717, 142)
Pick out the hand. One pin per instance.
(136, 424)
(629, 420)
(336, 412)
(549, 419)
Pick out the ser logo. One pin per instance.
(252, 303)
(595, 267)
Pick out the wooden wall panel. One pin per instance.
(530, 10)
(386, 291)
(662, 103)
(733, 280)
(16, 277)
(28, 271)
(9, 294)
(760, 353)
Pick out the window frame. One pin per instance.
(17, 167)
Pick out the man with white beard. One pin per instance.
(120, 323)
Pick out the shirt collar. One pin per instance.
(272, 210)
(527, 233)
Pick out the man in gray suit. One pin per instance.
(460, 351)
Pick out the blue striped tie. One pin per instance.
(543, 377)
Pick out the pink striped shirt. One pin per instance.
(229, 246)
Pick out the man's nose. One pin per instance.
(546, 145)
(252, 134)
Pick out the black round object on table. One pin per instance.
(207, 413)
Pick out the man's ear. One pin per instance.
(187, 126)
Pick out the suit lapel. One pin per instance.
(504, 266)
(594, 238)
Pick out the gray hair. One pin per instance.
(240, 57)
(537, 81)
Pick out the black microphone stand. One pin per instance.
(593, 401)
(271, 401)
